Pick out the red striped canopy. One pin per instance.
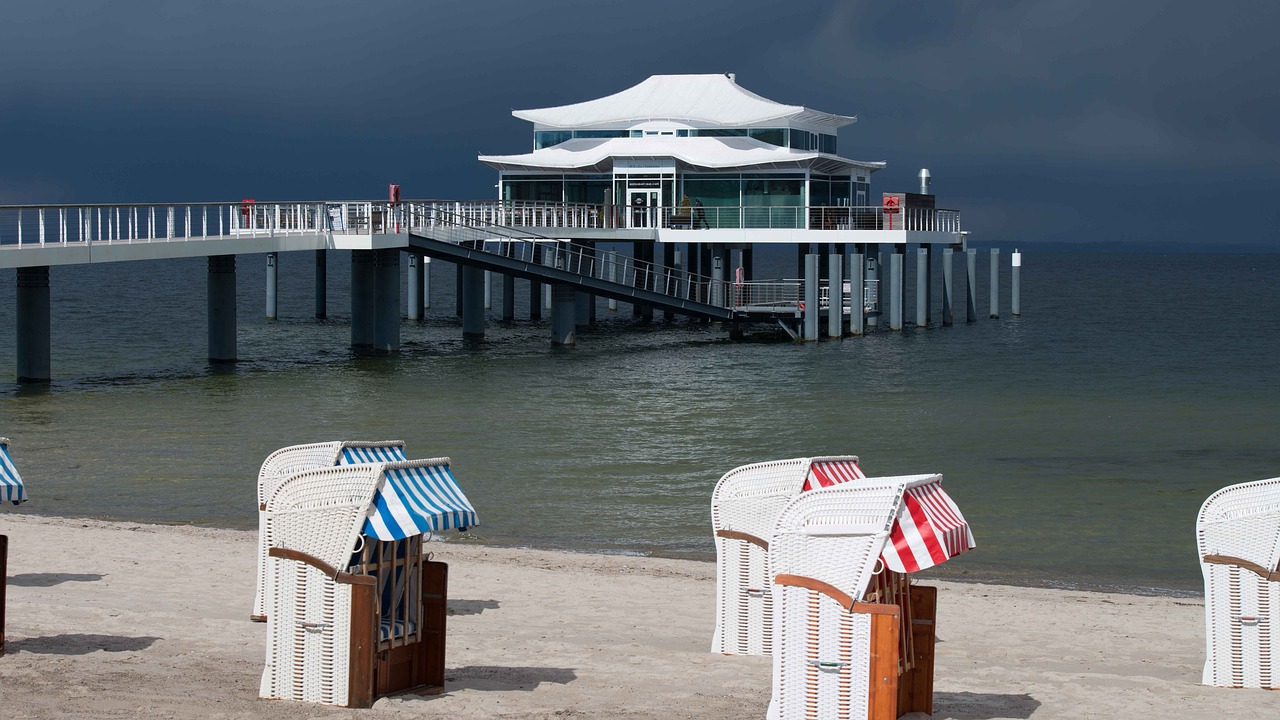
(825, 473)
(929, 530)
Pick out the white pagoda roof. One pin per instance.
(701, 100)
(698, 153)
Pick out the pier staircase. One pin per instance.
(445, 235)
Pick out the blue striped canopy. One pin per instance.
(11, 488)
(418, 500)
(357, 455)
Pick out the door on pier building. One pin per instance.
(643, 204)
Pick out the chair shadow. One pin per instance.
(471, 607)
(497, 677)
(78, 644)
(982, 706)
(50, 579)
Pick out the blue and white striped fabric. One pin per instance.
(11, 488)
(418, 500)
(376, 453)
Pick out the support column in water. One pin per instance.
(272, 259)
(895, 291)
(612, 260)
(1016, 277)
(457, 290)
(426, 284)
(873, 285)
(948, 289)
(535, 287)
(508, 298)
(413, 287)
(222, 308)
(322, 284)
(563, 312)
(386, 324)
(835, 300)
(363, 284)
(810, 313)
(922, 287)
(857, 293)
(971, 299)
(488, 290)
(995, 283)
(472, 302)
(34, 326)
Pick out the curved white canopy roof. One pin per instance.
(701, 100)
(699, 153)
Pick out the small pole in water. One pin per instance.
(1017, 284)
(971, 301)
(271, 285)
(995, 283)
(426, 282)
(414, 280)
(948, 288)
(857, 293)
(835, 298)
(810, 313)
(922, 286)
(895, 291)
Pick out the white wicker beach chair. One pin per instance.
(1238, 538)
(296, 458)
(851, 639)
(11, 491)
(744, 507)
(355, 608)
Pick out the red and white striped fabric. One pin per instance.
(831, 472)
(929, 530)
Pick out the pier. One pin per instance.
(850, 274)
(658, 196)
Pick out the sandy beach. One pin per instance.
(111, 620)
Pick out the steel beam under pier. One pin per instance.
(386, 293)
(222, 308)
(33, 326)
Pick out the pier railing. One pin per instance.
(509, 213)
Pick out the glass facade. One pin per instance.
(782, 137)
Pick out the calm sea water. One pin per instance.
(1079, 439)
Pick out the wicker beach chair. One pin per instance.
(11, 491)
(852, 638)
(744, 506)
(355, 607)
(1238, 538)
(296, 458)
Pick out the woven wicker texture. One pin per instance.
(1240, 521)
(821, 659)
(281, 464)
(748, 499)
(308, 637)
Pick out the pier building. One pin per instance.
(656, 196)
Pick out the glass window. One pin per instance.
(585, 191)
(722, 132)
(773, 203)
(600, 133)
(714, 201)
(827, 144)
(548, 138)
(801, 139)
(773, 136)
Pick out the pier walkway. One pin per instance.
(551, 244)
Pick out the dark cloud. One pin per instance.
(1039, 120)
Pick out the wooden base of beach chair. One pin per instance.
(381, 667)
(4, 580)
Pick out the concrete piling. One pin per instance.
(322, 284)
(895, 291)
(1016, 281)
(386, 299)
(363, 282)
(810, 313)
(563, 312)
(472, 302)
(857, 293)
(948, 289)
(34, 329)
(413, 286)
(971, 291)
(221, 308)
(835, 296)
(922, 287)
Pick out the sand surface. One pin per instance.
(119, 620)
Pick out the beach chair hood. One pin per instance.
(1240, 525)
(324, 512)
(844, 533)
(11, 488)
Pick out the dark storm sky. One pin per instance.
(1040, 121)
